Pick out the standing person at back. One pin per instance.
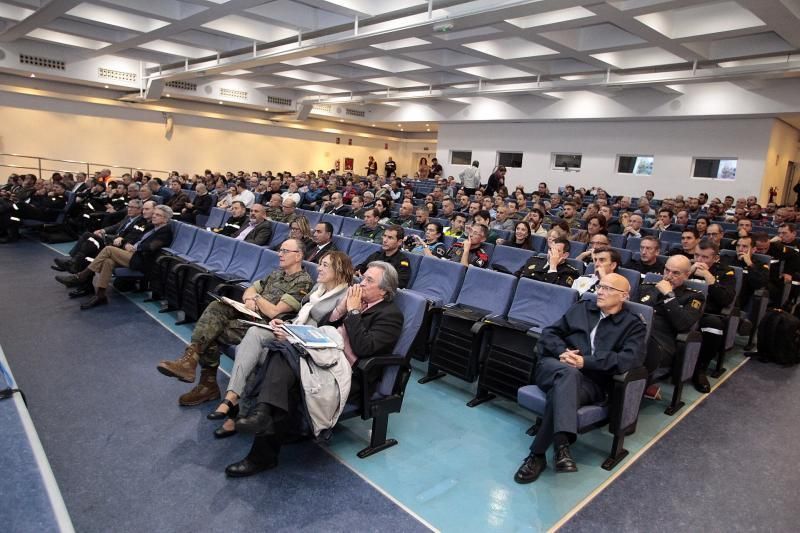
(470, 178)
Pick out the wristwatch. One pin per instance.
(354, 312)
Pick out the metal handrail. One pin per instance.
(89, 165)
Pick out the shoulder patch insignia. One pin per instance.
(570, 281)
(404, 263)
(645, 298)
(730, 273)
(696, 304)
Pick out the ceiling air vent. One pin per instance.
(355, 113)
(323, 107)
(183, 85)
(117, 75)
(233, 93)
(277, 100)
(42, 62)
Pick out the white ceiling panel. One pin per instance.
(551, 17)
(305, 75)
(638, 58)
(66, 39)
(401, 43)
(703, 19)
(180, 50)
(394, 82)
(239, 26)
(510, 48)
(114, 17)
(495, 72)
(389, 64)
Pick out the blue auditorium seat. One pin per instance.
(342, 243)
(350, 225)
(280, 232)
(509, 259)
(360, 250)
(335, 221)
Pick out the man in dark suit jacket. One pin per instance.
(126, 231)
(201, 205)
(337, 207)
(579, 355)
(259, 230)
(139, 256)
(370, 321)
(179, 197)
(323, 233)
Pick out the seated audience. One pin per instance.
(578, 357)
(606, 261)
(391, 252)
(258, 230)
(431, 245)
(521, 238)
(201, 205)
(475, 254)
(551, 269)
(371, 230)
(648, 261)
(322, 235)
(690, 238)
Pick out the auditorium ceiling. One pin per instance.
(407, 62)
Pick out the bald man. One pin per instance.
(578, 357)
(676, 309)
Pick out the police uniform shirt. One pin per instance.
(398, 260)
(722, 292)
(642, 268)
(672, 315)
(477, 256)
(537, 268)
(756, 277)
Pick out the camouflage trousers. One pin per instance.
(217, 325)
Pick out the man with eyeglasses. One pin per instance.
(278, 293)
(648, 261)
(551, 269)
(578, 357)
(598, 240)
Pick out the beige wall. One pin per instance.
(129, 136)
(783, 147)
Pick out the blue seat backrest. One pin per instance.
(438, 279)
(412, 231)
(489, 249)
(342, 243)
(509, 257)
(183, 239)
(221, 253)
(646, 314)
(311, 268)
(487, 289)
(414, 261)
(624, 254)
(448, 241)
(280, 231)
(266, 263)
(192, 195)
(739, 274)
(312, 216)
(443, 221)
(670, 236)
(616, 240)
(633, 244)
(245, 260)
(540, 303)
(335, 221)
(201, 248)
(360, 250)
(503, 234)
(350, 225)
(216, 218)
(633, 277)
(576, 248)
(729, 254)
(539, 243)
(412, 306)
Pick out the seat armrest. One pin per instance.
(508, 323)
(366, 364)
(467, 312)
(631, 375)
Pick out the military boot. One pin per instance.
(205, 391)
(184, 368)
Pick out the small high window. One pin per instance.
(714, 168)
(566, 162)
(509, 159)
(461, 157)
(638, 165)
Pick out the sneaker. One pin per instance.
(653, 392)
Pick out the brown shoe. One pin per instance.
(205, 391)
(185, 367)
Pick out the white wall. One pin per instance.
(46, 127)
(784, 143)
(672, 143)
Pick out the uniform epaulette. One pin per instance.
(648, 283)
(690, 289)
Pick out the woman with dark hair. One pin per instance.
(594, 224)
(701, 225)
(521, 238)
(383, 209)
(432, 209)
(334, 275)
(432, 244)
(496, 180)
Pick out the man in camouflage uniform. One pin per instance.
(280, 292)
(287, 213)
(370, 230)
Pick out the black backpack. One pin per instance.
(779, 338)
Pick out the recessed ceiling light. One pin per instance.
(105, 86)
(373, 125)
(427, 125)
(401, 129)
(220, 102)
(266, 109)
(399, 125)
(341, 120)
(428, 129)
(33, 75)
(167, 95)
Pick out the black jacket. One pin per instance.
(399, 261)
(678, 315)
(313, 254)
(147, 250)
(260, 235)
(619, 343)
(537, 268)
(375, 331)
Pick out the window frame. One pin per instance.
(634, 173)
(469, 162)
(498, 163)
(554, 155)
(695, 159)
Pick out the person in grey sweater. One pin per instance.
(471, 178)
(335, 273)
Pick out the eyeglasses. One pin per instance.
(606, 288)
(283, 251)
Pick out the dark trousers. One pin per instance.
(658, 355)
(712, 328)
(567, 389)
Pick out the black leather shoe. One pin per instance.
(232, 412)
(58, 268)
(80, 292)
(247, 467)
(700, 382)
(531, 469)
(69, 280)
(564, 461)
(222, 433)
(62, 264)
(94, 302)
(256, 422)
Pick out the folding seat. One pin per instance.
(456, 345)
(730, 318)
(633, 243)
(191, 194)
(756, 308)
(280, 232)
(687, 352)
(350, 225)
(312, 216)
(394, 369)
(183, 240)
(189, 279)
(620, 412)
(241, 268)
(443, 221)
(539, 243)
(449, 241)
(342, 243)
(216, 218)
(335, 221)
(507, 351)
(489, 249)
(34, 224)
(509, 259)
(167, 285)
(414, 261)
(575, 248)
(503, 234)
(617, 241)
(412, 231)
(624, 254)
(360, 250)
(670, 236)
(311, 269)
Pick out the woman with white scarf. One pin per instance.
(334, 275)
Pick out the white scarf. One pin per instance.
(314, 297)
